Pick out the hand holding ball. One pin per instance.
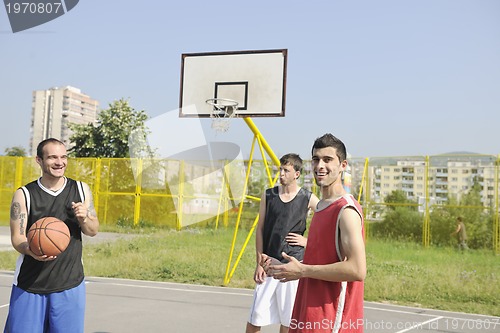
(48, 236)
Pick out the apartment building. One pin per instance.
(448, 177)
(53, 109)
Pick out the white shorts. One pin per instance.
(273, 302)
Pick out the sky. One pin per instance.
(388, 77)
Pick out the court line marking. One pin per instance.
(399, 311)
(177, 289)
(434, 315)
(419, 325)
(449, 316)
(249, 293)
(104, 279)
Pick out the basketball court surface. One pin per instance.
(118, 305)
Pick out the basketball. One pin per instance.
(48, 236)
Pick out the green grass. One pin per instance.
(197, 256)
(439, 278)
(191, 256)
(399, 273)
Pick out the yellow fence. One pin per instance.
(167, 193)
(160, 192)
(431, 183)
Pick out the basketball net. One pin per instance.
(223, 111)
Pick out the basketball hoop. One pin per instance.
(223, 111)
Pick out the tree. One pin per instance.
(15, 151)
(478, 223)
(121, 133)
(397, 198)
(110, 137)
(400, 223)
(401, 220)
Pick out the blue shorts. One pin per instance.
(59, 312)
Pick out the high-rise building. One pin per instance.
(54, 109)
(446, 177)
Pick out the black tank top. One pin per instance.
(282, 218)
(66, 271)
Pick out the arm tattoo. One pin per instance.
(15, 210)
(15, 214)
(21, 225)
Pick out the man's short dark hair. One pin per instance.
(41, 145)
(293, 160)
(328, 140)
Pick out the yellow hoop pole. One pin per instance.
(243, 248)
(264, 160)
(263, 141)
(227, 277)
(262, 144)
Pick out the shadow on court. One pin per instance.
(121, 306)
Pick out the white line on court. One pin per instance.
(104, 280)
(419, 325)
(398, 311)
(178, 289)
(249, 292)
(98, 278)
(425, 314)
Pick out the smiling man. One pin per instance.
(282, 222)
(331, 286)
(48, 293)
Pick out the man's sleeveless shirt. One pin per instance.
(282, 218)
(326, 306)
(66, 271)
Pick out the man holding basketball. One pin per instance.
(331, 288)
(282, 223)
(48, 294)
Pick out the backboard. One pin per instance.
(256, 80)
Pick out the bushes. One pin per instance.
(399, 223)
(442, 225)
(402, 222)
